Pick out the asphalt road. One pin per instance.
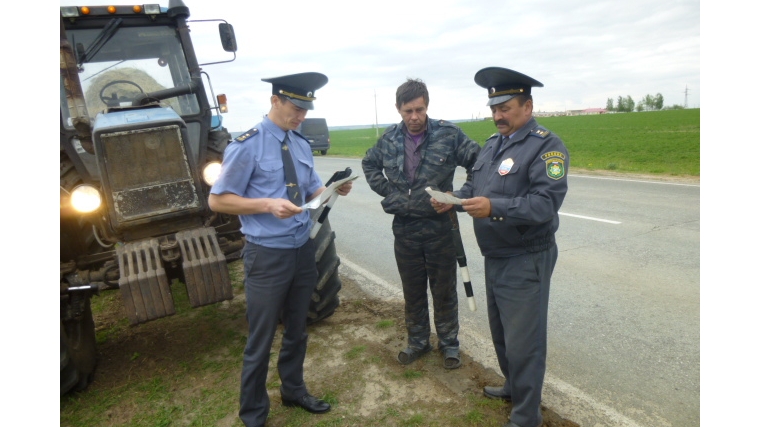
(624, 303)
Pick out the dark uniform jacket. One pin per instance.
(445, 147)
(525, 196)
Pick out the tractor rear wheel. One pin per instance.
(325, 298)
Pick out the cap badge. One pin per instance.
(309, 96)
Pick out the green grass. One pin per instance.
(167, 397)
(474, 416)
(656, 142)
(414, 420)
(356, 352)
(411, 374)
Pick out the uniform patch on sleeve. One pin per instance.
(555, 164)
(555, 168)
(247, 135)
(550, 154)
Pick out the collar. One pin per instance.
(405, 131)
(272, 128)
(524, 130)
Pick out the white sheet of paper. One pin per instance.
(325, 195)
(443, 197)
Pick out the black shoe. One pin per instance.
(409, 355)
(496, 393)
(310, 403)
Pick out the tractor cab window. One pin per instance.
(133, 61)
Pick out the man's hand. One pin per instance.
(283, 208)
(440, 207)
(344, 189)
(477, 207)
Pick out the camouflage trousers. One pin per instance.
(425, 254)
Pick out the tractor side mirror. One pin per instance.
(227, 34)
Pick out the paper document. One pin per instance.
(325, 195)
(443, 197)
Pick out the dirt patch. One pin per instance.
(185, 370)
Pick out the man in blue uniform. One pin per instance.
(267, 174)
(517, 186)
(417, 153)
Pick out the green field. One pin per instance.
(657, 142)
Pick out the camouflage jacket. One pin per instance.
(444, 148)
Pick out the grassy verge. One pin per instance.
(184, 370)
(658, 142)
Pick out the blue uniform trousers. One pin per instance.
(278, 286)
(517, 294)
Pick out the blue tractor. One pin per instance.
(141, 144)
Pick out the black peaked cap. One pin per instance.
(504, 84)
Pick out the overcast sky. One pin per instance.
(583, 51)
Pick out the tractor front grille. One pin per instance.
(148, 173)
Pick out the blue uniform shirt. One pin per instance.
(252, 168)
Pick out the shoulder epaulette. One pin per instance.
(493, 136)
(247, 135)
(446, 123)
(540, 132)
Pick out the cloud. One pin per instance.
(584, 51)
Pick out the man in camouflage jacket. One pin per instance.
(417, 153)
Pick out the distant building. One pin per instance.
(586, 112)
(549, 113)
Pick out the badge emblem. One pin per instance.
(555, 168)
(506, 166)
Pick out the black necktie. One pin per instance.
(291, 179)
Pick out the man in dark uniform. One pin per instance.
(517, 187)
(417, 153)
(267, 175)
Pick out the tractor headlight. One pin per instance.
(211, 172)
(85, 198)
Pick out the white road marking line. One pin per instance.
(590, 218)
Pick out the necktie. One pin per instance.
(498, 146)
(291, 179)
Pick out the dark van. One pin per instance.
(315, 130)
